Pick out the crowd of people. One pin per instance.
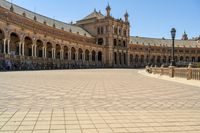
(17, 65)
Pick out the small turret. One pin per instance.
(126, 16)
(108, 9)
(185, 36)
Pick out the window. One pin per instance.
(102, 30)
(119, 43)
(120, 31)
(100, 41)
(124, 32)
(98, 30)
(115, 30)
(124, 43)
(115, 42)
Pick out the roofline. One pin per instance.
(160, 38)
(34, 13)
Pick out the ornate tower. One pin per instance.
(126, 16)
(108, 9)
(185, 36)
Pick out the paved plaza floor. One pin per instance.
(96, 101)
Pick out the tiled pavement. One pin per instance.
(96, 101)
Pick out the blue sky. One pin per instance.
(148, 18)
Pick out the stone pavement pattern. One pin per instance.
(96, 101)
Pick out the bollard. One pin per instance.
(171, 71)
(189, 72)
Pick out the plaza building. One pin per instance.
(31, 41)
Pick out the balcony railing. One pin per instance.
(187, 73)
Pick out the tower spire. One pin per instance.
(126, 15)
(108, 9)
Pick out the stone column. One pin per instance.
(117, 58)
(122, 58)
(20, 48)
(4, 46)
(76, 56)
(35, 50)
(83, 55)
(53, 53)
(61, 54)
(23, 49)
(32, 50)
(45, 52)
(69, 55)
(128, 58)
(90, 57)
(8, 45)
(96, 57)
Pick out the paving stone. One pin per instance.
(103, 101)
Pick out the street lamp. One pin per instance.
(149, 50)
(173, 34)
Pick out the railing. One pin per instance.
(187, 73)
(195, 73)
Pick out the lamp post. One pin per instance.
(149, 50)
(173, 34)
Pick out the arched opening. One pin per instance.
(49, 50)
(120, 58)
(142, 59)
(153, 59)
(28, 46)
(87, 55)
(136, 58)
(181, 58)
(193, 59)
(158, 59)
(80, 54)
(131, 58)
(100, 56)
(199, 59)
(124, 43)
(100, 41)
(1, 41)
(125, 58)
(58, 48)
(14, 44)
(164, 59)
(115, 56)
(175, 58)
(93, 55)
(65, 52)
(73, 53)
(39, 45)
(187, 59)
